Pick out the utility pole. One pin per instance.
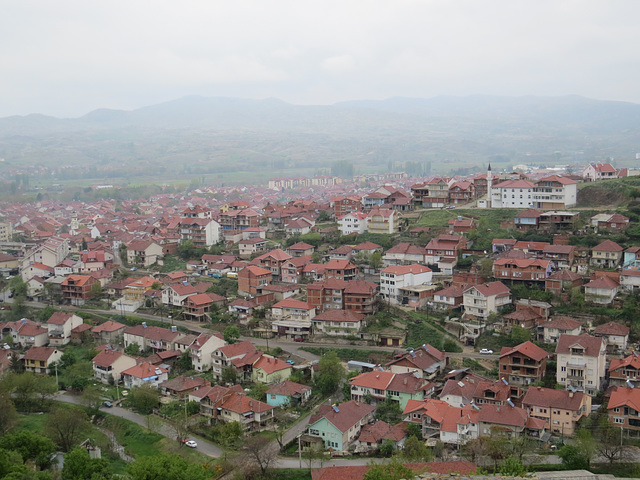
(299, 450)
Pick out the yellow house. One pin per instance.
(268, 369)
(38, 359)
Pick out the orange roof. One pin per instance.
(529, 349)
(625, 396)
(78, 280)
(293, 303)
(270, 364)
(414, 269)
(376, 379)
(144, 370)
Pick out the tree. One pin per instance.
(386, 448)
(79, 466)
(166, 467)
(8, 414)
(519, 335)
(389, 411)
(65, 426)
(375, 260)
(497, 448)
(609, 441)
(393, 470)
(144, 399)
(416, 451)
(573, 458)
(330, 373)
(30, 391)
(262, 453)
(512, 467)
(229, 375)
(231, 334)
(95, 292)
(414, 429)
(132, 349)
(184, 363)
(586, 443)
(476, 448)
(31, 447)
(92, 399)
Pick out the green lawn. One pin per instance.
(173, 264)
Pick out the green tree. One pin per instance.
(416, 451)
(573, 458)
(144, 399)
(133, 349)
(413, 429)
(8, 413)
(394, 470)
(451, 346)
(375, 260)
(330, 373)
(512, 467)
(166, 467)
(519, 335)
(389, 411)
(184, 363)
(31, 447)
(386, 448)
(66, 426)
(79, 466)
(229, 375)
(92, 399)
(608, 442)
(231, 334)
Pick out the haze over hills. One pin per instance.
(211, 134)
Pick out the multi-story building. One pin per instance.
(356, 295)
(344, 205)
(339, 426)
(273, 262)
(523, 364)
(39, 359)
(383, 221)
(623, 370)
(252, 279)
(624, 409)
(353, 222)
(560, 409)
(513, 194)
(599, 171)
(581, 362)
(555, 192)
(522, 269)
(6, 231)
(396, 282)
(482, 300)
(338, 323)
(60, 325)
(143, 252)
(340, 270)
(607, 254)
(76, 289)
(109, 364)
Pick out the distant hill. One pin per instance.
(203, 135)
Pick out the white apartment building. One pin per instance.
(396, 277)
(482, 300)
(581, 362)
(353, 222)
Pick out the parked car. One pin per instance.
(191, 443)
(298, 339)
(291, 362)
(486, 351)
(108, 404)
(133, 269)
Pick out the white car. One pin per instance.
(486, 351)
(191, 443)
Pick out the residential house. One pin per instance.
(558, 326)
(339, 323)
(527, 219)
(599, 171)
(529, 314)
(250, 246)
(144, 374)
(39, 359)
(239, 219)
(202, 348)
(562, 281)
(403, 254)
(292, 319)
(383, 221)
(341, 270)
(581, 362)
(198, 308)
(607, 254)
(555, 192)
(523, 364)
(482, 300)
(26, 333)
(630, 280)
(353, 222)
(60, 325)
(373, 435)
(109, 364)
(449, 297)
(561, 255)
(631, 259)
(432, 194)
(616, 335)
(272, 261)
(522, 269)
(371, 387)
(268, 369)
(438, 419)
(143, 252)
(149, 337)
(76, 289)
(288, 394)
(300, 249)
(226, 356)
(252, 279)
(513, 194)
(338, 426)
(344, 205)
(560, 409)
(299, 226)
(461, 192)
(176, 294)
(108, 332)
(201, 232)
(602, 290)
(292, 270)
(623, 370)
(379, 386)
(612, 222)
(357, 295)
(396, 284)
(444, 251)
(427, 361)
(227, 405)
(624, 409)
(461, 225)
(181, 387)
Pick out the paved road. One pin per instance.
(157, 425)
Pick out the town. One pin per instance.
(452, 324)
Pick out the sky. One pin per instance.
(69, 57)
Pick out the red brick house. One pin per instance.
(523, 364)
(522, 269)
(199, 307)
(562, 281)
(252, 279)
(76, 289)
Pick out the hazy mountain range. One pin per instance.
(447, 131)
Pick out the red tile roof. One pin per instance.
(529, 349)
(552, 398)
(625, 396)
(270, 364)
(293, 303)
(41, 354)
(335, 315)
(611, 328)
(59, 318)
(414, 269)
(144, 370)
(288, 388)
(631, 361)
(607, 246)
(562, 323)
(591, 345)
(347, 414)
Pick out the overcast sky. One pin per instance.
(68, 57)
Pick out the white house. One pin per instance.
(59, 327)
(396, 277)
(482, 300)
(144, 374)
(353, 222)
(512, 194)
(581, 362)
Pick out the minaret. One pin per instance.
(489, 179)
